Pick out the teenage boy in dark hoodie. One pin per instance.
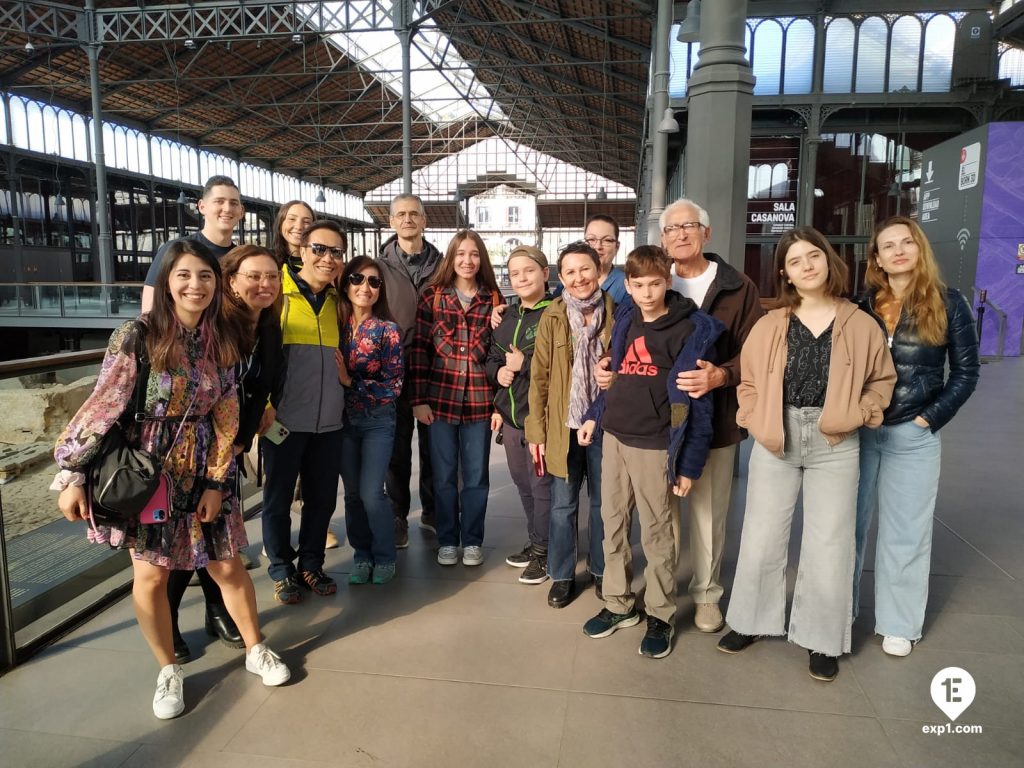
(656, 440)
(508, 367)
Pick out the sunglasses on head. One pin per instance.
(356, 278)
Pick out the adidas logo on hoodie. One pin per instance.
(637, 361)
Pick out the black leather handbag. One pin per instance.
(122, 478)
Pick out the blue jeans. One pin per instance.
(565, 506)
(366, 443)
(899, 474)
(313, 457)
(460, 514)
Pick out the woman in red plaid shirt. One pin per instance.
(451, 392)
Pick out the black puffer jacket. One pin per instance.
(518, 327)
(921, 387)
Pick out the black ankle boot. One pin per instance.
(182, 654)
(562, 593)
(219, 624)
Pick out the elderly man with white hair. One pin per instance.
(731, 297)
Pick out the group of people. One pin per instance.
(641, 380)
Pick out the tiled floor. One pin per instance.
(465, 667)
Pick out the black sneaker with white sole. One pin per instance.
(521, 559)
(657, 642)
(606, 622)
(536, 572)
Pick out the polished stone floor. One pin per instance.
(466, 667)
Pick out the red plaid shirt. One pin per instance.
(448, 353)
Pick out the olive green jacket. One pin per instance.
(550, 378)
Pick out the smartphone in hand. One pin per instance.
(276, 432)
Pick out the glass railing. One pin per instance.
(50, 575)
(70, 300)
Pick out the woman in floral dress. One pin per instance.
(371, 368)
(191, 356)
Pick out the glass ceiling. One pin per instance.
(444, 87)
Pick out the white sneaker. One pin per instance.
(447, 555)
(169, 699)
(897, 646)
(472, 556)
(262, 661)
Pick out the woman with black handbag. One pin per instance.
(190, 420)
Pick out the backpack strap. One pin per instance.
(138, 401)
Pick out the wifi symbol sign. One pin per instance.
(962, 237)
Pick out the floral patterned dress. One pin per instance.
(200, 459)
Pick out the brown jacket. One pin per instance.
(550, 378)
(861, 377)
(733, 299)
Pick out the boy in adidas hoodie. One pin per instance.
(508, 367)
(656, 440)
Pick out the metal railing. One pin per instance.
(71, 300)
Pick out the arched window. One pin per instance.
(51, 134)
(766, 56)
(905, 54)
(121, 148)
(190, 172)
(80, 139)
(36, 141)
(763, 181)
(799, 73)
(1011, 66)
(65, 134)
(872, 44)
(937, 67)
(109, 155)
(839, 38)
(19, 122)
(780, 180)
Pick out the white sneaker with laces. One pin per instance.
(472, 556)
(169, 699)
(897, 646)
(262, 661)
(447, 555)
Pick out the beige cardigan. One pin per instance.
(861, 377)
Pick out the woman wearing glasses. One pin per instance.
(251, 306)
(602, 234)
(305, 440)
(371, 367)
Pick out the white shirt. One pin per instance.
(695, 288)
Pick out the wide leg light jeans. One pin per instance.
(899, 474)
(822, 612)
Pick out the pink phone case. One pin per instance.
(158, 507)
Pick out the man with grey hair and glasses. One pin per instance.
(731, 297)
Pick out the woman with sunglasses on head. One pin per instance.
(251, 306)
(927, 324)
(813, 371)
(190, 420)
(452, 394)
(371, 367)
(292, 220)
(572, 335)
(305, 440)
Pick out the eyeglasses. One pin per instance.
(258, 277)
(320, 250)
(357, 278)
(593, 242)
(673, 229)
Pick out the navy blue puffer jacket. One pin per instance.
(922, 388)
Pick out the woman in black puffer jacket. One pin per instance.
(926, 323)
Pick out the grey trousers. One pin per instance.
(822, 612)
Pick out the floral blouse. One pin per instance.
(201, 458)
(373, 358)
